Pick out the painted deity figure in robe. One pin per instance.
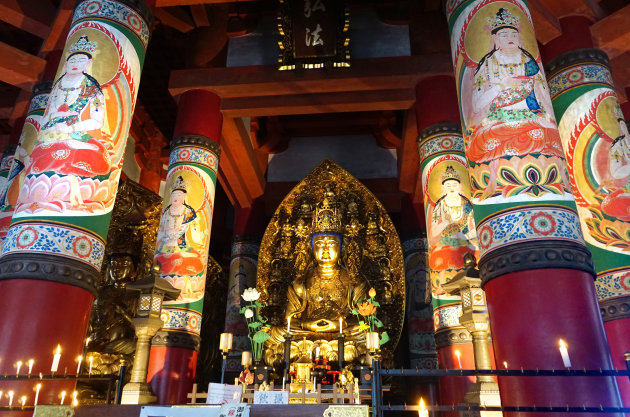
(512, 115)
(452, 231)
(617, 203)
(176, 233)
(70, 141)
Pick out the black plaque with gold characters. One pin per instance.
(314, 34)
(327, 244)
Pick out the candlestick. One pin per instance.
(56, 358)
(23, 400)
(289, 324)
(246, 358)
(225, 342)
(18, 365)
(10, 394)
(505, 364)
(564, 353)
(423, 412)
(91, 362)
(30, 366)
(37, 388)
(340, 325)
(459, 358)
(63, 397)
(79, 360)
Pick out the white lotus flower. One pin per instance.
(249, 313)
(251, 294)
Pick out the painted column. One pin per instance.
(26, 141)
(182, 243)
(450, 226)
(597, 145)
(536, 269)
(54, 248)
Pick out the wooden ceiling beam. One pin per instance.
(408, 159)
(175, 17)
(200, 15)
(19, 68)
(32, 16)
(59, 28)
(265, 80)
(237, 143)
(611, 34)
(232, 178)
(546, 23)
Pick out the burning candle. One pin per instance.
(284, 382)
(91, 363)
(23, 400)
(317, 353)
(10, 394)
(459, 358)
(87, 341)
(505, 364)
(423, 412)
(289, 324)
(564, 353)
(79, 360)
(63, 397)
(340, 325)
(56, 358)
(18, 366)
(75, 402)
(30, 366)
(37, 388)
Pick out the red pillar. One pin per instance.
(193, 169)
(536, 269)
(442, 161)
(52, 255)
(585, 103)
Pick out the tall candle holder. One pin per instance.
(225, 345)
(341, 340)
(288, 337)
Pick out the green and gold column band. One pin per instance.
(597, 145)
(64, 208)
(184, 236)
(524, 210)
(450, 225)
(15, 175)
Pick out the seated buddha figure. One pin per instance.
(327, 291)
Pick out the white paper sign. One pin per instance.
(224, 394)
(271, 397)
(234, 410)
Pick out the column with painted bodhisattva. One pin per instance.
(597, 146)
(183, 240)
(54, 247)
(451, 230)
(26, 141)
(536, 269)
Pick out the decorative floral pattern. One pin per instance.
(447, 316)
(38, 103)
(55, 240)
(182, 320)
(575, 76)
(613, 284)
(195, 155)
(114, 11)
(441, 143)
(527, 224)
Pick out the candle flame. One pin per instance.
(63, 396)
(457, 353)
(38, 387)
(58, 351)
(23, 400)
(562, 344)
(75, 402)
(505, 364)
(79, 358)
(422, 412)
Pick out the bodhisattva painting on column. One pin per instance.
(180, 242)
(509, 122)
(76, 159)
(452, 228)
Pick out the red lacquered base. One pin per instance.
(617, 332)
(529, 312)
(36, 317)
(453, 388)
(172, 373)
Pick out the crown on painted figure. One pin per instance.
(450, 174)
(83, 45)
(503, 19)
(179, 184)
